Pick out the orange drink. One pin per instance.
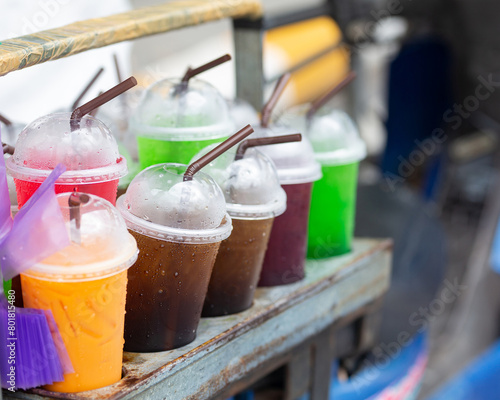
(84, 285)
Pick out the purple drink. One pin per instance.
(297, 170)
(286, 251)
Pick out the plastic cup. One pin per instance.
(254, 197)
(297, 170)
(84, 285)
(90, 154)
(339, 148)
(178, 226)
(174, 121)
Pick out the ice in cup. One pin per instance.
(253, 197)
(84, 285)
(90, 154)
(339, 148)
(175, 120)
(178, 226)
(297, 170)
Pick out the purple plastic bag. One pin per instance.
(38, 230)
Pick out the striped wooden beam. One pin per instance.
(52, 44)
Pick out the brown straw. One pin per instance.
(94, 112)
(103, 98)
(265, 114)
(216, 152)
(87, 88)
(265, 141)
(205, 67)
(330, 94)
(6, 121)
(7, 148)
(117, 68)
(75, 200)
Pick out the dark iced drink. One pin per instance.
(237, 268)
(165, 293)
(254, 197)
(178, 226)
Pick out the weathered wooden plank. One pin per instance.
(37, 48)
(229, 348)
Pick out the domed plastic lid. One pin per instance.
(106, 246)
(170, 110)
(90, 153)
(159, 204)
(242, 113)
(336, 139)
(294, 161)
(250, 185)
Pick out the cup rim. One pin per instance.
(100, 174)
(87, 272)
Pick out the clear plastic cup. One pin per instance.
(90, 154)
(297, 170)
(178, 227)
(84, 285)
(242, 113)
(339, 148)
(254, 197)
(175, 120)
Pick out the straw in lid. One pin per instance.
(89, 152)
(250, 185)
(161, 204)
(106, 247)
(295, 161)
(197, 112)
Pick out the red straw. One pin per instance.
(330, 94)
(265, 141)
(265, 114)
(216, 152)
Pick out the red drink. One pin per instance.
(106, 190)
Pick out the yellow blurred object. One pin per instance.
(287, 47)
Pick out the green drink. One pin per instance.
(339, 148)
(175, 120)
(331, 230)
(153, 151)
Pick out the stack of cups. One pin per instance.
(297, 170)
(84, 285)
(90, 154)
(174, 121)
(339, 148)
(178, 226)
(254, 197)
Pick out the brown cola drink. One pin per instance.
(179, 226)
(253, 198)
(237, 268)
(165, 293)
